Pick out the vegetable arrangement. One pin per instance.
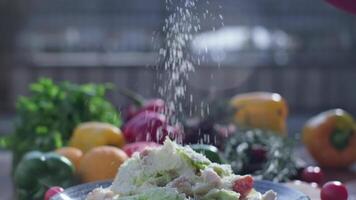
(79, 127)
(46, 118)
(78, 123)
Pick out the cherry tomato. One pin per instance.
(333, 190)
(243, 186)
(313, 174)
(138, 147)
(53, 191)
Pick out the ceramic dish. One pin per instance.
(79, 192)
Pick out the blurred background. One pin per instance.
(304, 50)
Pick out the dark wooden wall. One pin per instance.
(321, 74)
(307, 89)
(11, 18)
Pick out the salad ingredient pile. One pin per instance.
(46, 118)
(174, 172)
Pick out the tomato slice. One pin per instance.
(243, 186)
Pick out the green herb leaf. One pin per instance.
(46, 118)
(280, 165)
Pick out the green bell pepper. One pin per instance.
(211, 152)
(38, 171)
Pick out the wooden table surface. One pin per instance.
(346, 176)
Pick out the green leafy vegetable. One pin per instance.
(46, 118)
(195, 163)
(278, 163)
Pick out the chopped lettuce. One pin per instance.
(221, 170)
(222, 194)
(174, 172)
(197, 164)
(156, 194)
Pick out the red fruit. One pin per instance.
(52, 192)
(333, 190)
(347, 5)
(313, 174)
(145, 126)
(138, 147)
(243, 186)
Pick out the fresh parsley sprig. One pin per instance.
(45, 119)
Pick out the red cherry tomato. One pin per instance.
(313, 174)
(333, 190)
(53, 191)
(138, 147)
(243, 186)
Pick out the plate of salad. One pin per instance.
(175, 172)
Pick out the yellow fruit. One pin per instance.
(72, 153)
(101, 163)
(262, 110)
(92, 134)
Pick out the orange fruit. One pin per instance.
(72, 153)
(101, 163)
(88, 135)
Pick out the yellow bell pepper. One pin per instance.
(330, 138)
(92, 134)
(261, 110)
